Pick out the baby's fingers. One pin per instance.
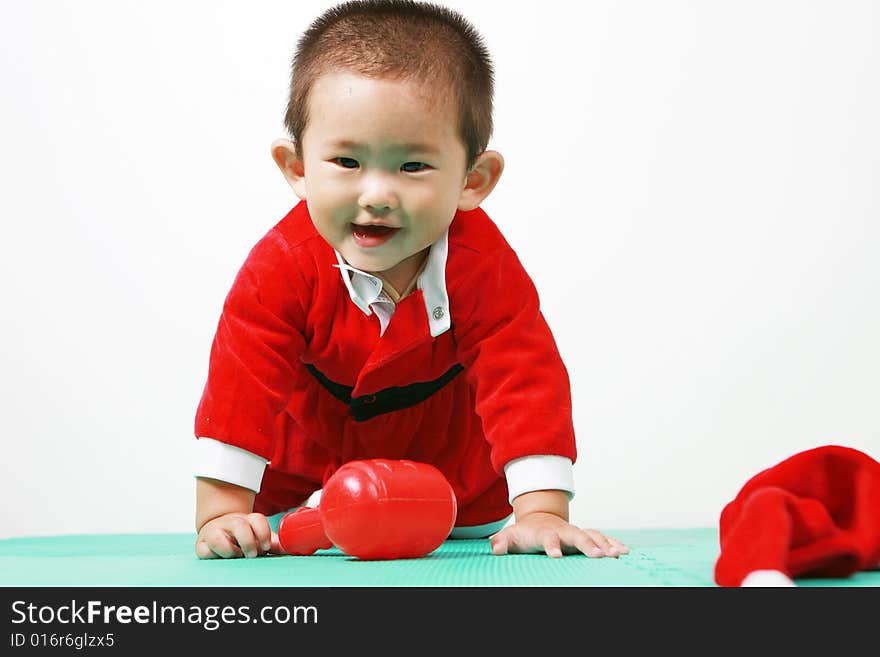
(550, 542)
(214, 543)
(509, 540)
(204, 551)
(500, 542)
(606, 545)
(615, 544)
(582, 542)
(602, 543)
(233, 536)
(243, 534)
(262, 532)
(275, 545)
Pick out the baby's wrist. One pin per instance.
(215, 499)
(553, 502)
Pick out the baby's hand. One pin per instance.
(235, 535)
(546, 532)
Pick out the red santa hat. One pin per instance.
(815, 514)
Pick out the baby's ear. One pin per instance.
(481, 179)
(291, 165)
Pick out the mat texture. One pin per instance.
(658, 557)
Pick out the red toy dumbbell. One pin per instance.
(375, 509)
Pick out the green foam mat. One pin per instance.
(658, 557)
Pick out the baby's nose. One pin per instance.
(378, 194)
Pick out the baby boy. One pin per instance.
(385, 316)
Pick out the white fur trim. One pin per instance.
(539, 472)
(224, 462)
(767, 578)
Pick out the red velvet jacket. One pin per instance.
(295, 368)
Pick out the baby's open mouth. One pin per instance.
(372, 231)
(374, 235)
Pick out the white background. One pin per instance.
(693, 186)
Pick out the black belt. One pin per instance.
(384, 401)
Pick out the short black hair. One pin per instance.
(399, 39)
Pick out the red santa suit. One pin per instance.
(462, 373)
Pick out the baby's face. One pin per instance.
(384, 168)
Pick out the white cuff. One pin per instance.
(234, 465)
(539, 472)
(767, 579)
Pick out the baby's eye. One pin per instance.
(346, 162)
(413, 167)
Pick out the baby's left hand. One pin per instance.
(546, 532)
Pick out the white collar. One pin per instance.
(366, 289)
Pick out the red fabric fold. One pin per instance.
(815, 514)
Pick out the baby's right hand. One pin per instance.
(235, 535)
